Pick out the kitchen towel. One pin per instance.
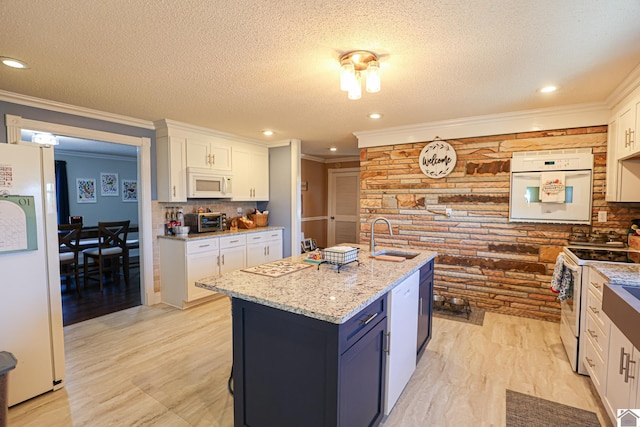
(562, 279)
(552, 187)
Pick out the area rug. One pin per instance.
(476, 316)
(526, 411)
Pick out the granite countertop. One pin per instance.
(620, 274)
(198, 236)
(321, 293)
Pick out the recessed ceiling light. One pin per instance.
(13, 63)
(333, 149)
(267, 132)
(375, 116)
(548, 89)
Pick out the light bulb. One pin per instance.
(347, 76)
(355, 91)
(373, 77)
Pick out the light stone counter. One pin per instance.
(198, 236)
(322, 293)
(620, 274)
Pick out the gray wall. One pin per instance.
(106, 208)
(279, 204)
(81, 122)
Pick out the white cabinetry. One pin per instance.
(623, 151)
(233, 253)
(182, 262)
(208, 152)
(250, 172)
(171, 170)
(596, 331)
(622, 374)
(264, 247)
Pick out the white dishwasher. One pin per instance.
(402, 323)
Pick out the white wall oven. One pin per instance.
(573, 310)
(552, 186)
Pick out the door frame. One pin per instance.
(15, 124)
(331, 173)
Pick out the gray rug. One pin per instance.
(476, 316)
(526, 411)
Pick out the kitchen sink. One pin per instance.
(407, 255)
(633, 290)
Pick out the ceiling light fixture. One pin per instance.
(352, 65)
(267, 132)
(375, 116)
(44, 139)
(333, 149)
(548, 89)
(13, 63)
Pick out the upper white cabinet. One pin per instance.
(623, 151)
(208, 153)
(250, 172)
(172, 168)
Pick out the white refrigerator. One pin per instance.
(30, 301)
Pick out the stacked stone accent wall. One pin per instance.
(482, 257)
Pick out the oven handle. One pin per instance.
(571, 267)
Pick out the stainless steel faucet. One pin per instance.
(373, 226)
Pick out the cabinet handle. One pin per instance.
(622, 353)
(590, 362)
(218, 260)
(222, 259)
(592, 333)
(234, 241)
(204, 246)
(174, 191)
(368, 319)
(388, 349)
(626, 374)
(268, 250)
(631, 132)
(596, 285)
(420, 309)
(594, 309)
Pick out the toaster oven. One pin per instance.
(206, 222)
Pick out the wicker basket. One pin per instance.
(260, 220)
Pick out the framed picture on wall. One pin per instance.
(86, 190)
(108, 184)
(129, 190)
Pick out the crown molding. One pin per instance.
(95, 155)
(628, 85)
(176, 128)
(60, 107)
(332, 160)
(573, 116)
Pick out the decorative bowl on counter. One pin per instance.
(181, 230)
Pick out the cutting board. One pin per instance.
(388, 258)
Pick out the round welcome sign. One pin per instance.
(437, 159)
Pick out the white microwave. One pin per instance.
(202, 184)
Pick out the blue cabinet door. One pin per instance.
(362, 374)
(425, 307)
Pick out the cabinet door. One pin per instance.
(172, 174)
(220, 150)
(198, 153)
(362, 373)
(425, 306)
(274, 250)
(200, 265)
(611, 194)
(232, 259)
(618, 391)
(242, 189)
(260, 173)
(626, 130)
(256, 254)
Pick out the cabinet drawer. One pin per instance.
(256, 238)
(596, 282)
(595, 333)
(594, 307)
(595, 366)
(232, 241)
(204, 245)
(356, 327)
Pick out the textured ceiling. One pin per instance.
(243, 66)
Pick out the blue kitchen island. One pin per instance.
(310, 345)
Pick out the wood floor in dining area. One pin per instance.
(162, 366)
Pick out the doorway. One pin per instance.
(343, 206)
(142, 146)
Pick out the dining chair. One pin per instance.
(105, 258)
(69, 249)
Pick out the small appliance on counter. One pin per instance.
(205, 222)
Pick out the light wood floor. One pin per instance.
(166, 367)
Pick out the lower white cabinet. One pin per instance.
(181, 264)
(622, 374)
(233, 253)
(262, 247)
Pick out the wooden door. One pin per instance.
(344, 207)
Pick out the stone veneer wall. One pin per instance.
(496, 265)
